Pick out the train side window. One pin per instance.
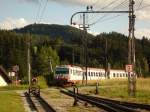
(96, 74)
(113, 74)
(123, 75)
(74, 73)
(120, 75)
(71, 71)
(99, 74)
(89, 73)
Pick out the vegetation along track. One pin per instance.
(37, 103)
(109, 105)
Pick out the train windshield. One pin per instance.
(62, 71)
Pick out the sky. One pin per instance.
(19, 13)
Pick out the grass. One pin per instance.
(41, 82)
(53, 93)
(13, 87)
(118, 89)
(10, 102)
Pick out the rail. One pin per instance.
(107, 104)
(44, 105)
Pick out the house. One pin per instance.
(4, 79)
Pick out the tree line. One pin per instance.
(59, 50)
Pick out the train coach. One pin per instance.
(74, 74)
(68, 74)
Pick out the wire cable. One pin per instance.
(140, 4)
(96, 2)
(109, 4)
(42, 13)
(106, 6)
(38, 11)
(124, 2)
(143, 7)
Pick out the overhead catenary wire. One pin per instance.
(106, 6)
(99, 20)
(109, 4)
(95, 3)
(140, 8)
(42, 13)
(38, 10)
(112, 9)
(137, 9)
(140, 4)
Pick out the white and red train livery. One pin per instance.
(74, 74)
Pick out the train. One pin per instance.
(74, 74)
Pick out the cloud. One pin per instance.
(143, 15)
(11, 23)
(139, 33)
(77, 2)
(30, 1)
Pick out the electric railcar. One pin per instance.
(74, 74)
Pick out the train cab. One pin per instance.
(68, 74)
(62, 74)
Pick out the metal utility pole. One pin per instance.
(106, 58)
(85, 46)
(50, 63)
(85, 26)
(29, 66)
(131, 51)
(73, 56)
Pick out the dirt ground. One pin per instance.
(64, 103)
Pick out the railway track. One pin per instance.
(130, 105)
(109, 105)
(37, 103)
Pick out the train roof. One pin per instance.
(91, 68)
(68, 66)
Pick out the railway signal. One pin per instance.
(129, 68)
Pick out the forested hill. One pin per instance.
(53, 31)
(117, 48)
(64, 45)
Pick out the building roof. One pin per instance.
(3, 73)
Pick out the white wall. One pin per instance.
(2, 81)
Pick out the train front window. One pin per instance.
(62, 71)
